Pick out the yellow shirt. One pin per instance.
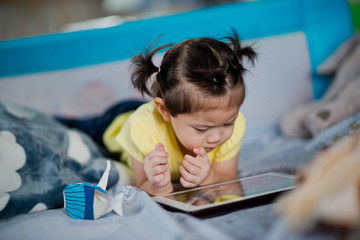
(136, 134)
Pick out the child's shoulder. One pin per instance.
(240, 125)
(147, 114)
(240, 119)
(145, 110)
(145, 107)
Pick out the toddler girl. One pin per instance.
(192, 129)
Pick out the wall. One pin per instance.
(21, 18)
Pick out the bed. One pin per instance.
(83, 73)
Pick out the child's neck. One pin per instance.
(184, 150)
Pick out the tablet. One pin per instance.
(220, 198)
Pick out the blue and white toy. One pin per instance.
(87, 201)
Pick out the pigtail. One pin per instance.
(240, 51)
(143, 67)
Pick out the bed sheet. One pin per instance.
(145, 219)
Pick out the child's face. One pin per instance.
(204, 129)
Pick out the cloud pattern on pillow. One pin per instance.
(39, 157)
(11, 159)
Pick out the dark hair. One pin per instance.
(195, 74)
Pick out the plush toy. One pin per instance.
(328, 190)
(341, 100)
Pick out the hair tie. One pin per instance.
(159, 69)
(215, 80)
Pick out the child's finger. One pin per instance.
(160, 146)
(200, 151)
(163, 179)
(186, 184)
(190, 165)
(191, 159)
(188, 177)
(158, 178)
(158, 161)
(157, 153)
(159, 169)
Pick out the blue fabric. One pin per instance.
(95, 126)
(37, 153)
(327, 24)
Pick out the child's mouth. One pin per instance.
(209, 149)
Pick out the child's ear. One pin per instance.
(160, 106)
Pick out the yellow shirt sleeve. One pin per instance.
(138, 135)
(113, 130)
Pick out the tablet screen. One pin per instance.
(227, 193)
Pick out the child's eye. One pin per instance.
(229, 124)
(200, 130)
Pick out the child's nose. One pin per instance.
(214, 137)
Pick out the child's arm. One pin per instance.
(154, 175)
(197, 170)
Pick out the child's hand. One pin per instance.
(156, 166)
(194, 169)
